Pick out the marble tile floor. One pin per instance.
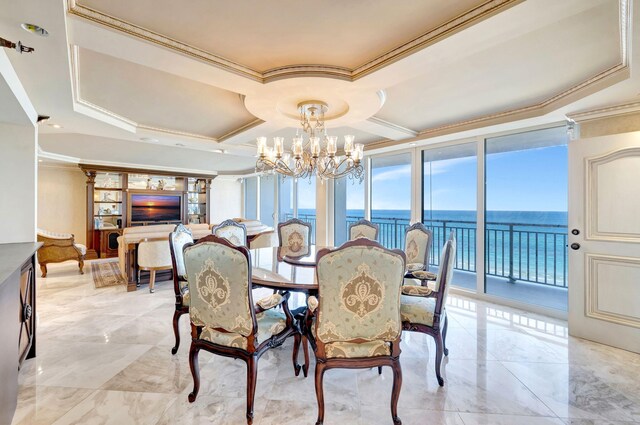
(104, 358)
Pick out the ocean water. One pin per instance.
(523, 245)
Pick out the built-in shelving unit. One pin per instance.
(112, 193)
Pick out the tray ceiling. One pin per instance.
(518, 70)
(260, 36)
(157, 99)
(211, 75)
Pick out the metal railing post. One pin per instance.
(511, 277)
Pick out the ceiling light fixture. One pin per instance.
(318, 156)
(55, 126)
(35, 29)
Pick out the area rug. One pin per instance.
(106, 273)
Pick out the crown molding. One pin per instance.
(466, 19)
(601, 80)
(111, 117)
(57, 157)
(240, 130)
(609, 111)
(138, 168)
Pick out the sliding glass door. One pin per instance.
(251, 198)
(526, 217)
(391, 197)
(306, 197)
(267, 199)
(285, 198)
(450, 205)
(348, 207)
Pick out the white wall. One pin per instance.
(18, 172)
(226, 199)
(62, 200)
(18, 147)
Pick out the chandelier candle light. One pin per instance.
(318, 156)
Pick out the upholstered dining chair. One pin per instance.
(363, 229)
(355, 320)
(295, 235)
(424, 309)
(235, 232)
(180, 237)
(224, 319)
(417, 246)
(153, 256)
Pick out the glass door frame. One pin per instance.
(480, 210)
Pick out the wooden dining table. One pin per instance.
(281, 269)
(284, 269)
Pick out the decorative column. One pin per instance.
(91, 181)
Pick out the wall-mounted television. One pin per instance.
(156, 207)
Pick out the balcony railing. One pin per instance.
(525, 252)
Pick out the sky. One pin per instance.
(156, 200)
(528, 180)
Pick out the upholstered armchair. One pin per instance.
(180, 237)
(363, 229)
(59, 247)
(355, 320)
(423, 309)
(295, 235)
(224, 318)
(234, 232)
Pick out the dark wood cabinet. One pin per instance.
(26, 340)
(17, 315)
(107, 242)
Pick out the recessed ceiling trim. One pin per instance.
(406, 131)
(471, 17)
(128, 124)
(239, 130)
(594, 114)
(118, 24)
(604, 79)
(443, 31)
(611, 76)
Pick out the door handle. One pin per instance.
(575, 246)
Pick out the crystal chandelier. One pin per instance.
(318, 156)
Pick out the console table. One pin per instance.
(17, 315)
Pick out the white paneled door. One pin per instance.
(604, 240)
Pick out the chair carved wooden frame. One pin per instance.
(294, 242)
(412, 250)
(230, 227)
(323, 362)
(58, 248)
(438, 329)
(363, 222)
(180, 236)
(254, 348)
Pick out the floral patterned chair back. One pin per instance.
(295, 235)
(236, 233)
(221, 302)
(417, 246)
(363, 229)
(359, 300)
